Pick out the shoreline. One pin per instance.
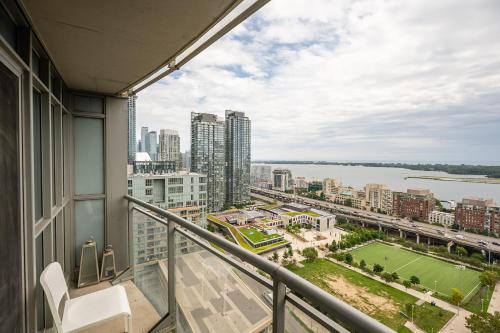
(475, 180)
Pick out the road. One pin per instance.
(422, 229)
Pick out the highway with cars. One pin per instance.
(447, 235)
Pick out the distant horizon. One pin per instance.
(415, 162)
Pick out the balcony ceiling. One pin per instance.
(106, 46)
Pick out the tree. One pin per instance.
(348, 258)
(290, 252)
(395, 276)
(483, 322)
(348, 203)
(362, 263)
(310, 253)
(285, 255)
(387, 277)
(378, 268)
(414, 279)
(456, 296)
(333, 247)
(488, 278)
(461, 251)
(407, 284)
(210, 228)
(275, 256)
(322, 196)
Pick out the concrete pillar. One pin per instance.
(428, 241)
(363, 224)
(450, 244)
(400, 233)
(418, 239)
(379, 228)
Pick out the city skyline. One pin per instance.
(355, 76)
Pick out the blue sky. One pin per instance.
(350, 80)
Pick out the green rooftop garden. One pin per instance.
(256, 236)
(238, 236)
(312, 214)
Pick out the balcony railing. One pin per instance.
(200, 282)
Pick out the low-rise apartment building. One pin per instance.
(414, 204)
(443, 218)
(292, 214)
(478, 215)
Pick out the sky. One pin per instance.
(410, 81)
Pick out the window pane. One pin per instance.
(39, 297)
(89, 223)
(53, 120)
(37, 153)
(89, 150)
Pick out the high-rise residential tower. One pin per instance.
(152, 145)
(144, 139)
(131, 129)
(170, 148)
(238, 157)
(208, 156)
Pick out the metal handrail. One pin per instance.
(325, 301)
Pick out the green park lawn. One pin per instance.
(372, 297)
(434, 274)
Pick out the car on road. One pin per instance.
(495, 243)
(453, 230)
(482, 242)
(459, 237)
(440, 232)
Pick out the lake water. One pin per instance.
(394, 178)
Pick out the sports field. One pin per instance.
(433, 273)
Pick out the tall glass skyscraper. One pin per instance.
(208, 156)
(131, 129)
(238, 157)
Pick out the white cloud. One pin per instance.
(328, 80)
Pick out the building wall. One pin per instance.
(413, 204)
(238, 157)
(379, 196)
(132, 141)
(169, 142)
(478, 215)
(282, 180)
(181, 193)
(446, 219)
(208, 156)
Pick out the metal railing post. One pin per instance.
(131, 235)
(171, 269)
(279, 299)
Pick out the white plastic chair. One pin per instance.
(85, 311)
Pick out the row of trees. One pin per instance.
(357, 236)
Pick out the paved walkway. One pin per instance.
(495, 300)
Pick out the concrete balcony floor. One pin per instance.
(144, 315)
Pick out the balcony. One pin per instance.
(183, 283)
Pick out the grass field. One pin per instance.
(427, 269)
(372, 297)
(256, 236)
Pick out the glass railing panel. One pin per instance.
(298, 321)
(214, 296)
(149, 264)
